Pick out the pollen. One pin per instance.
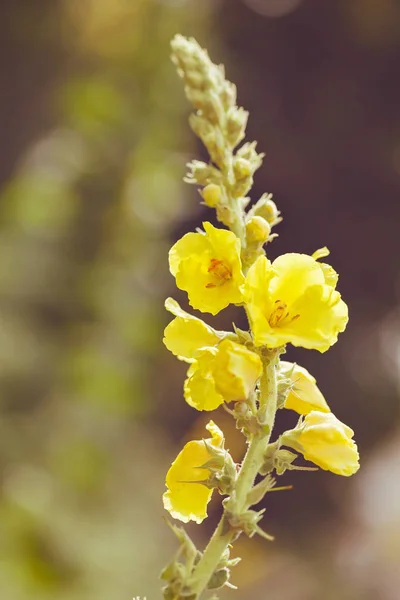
(280, 314)
(220, 273)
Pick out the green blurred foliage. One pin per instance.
(84, 236)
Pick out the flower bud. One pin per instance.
(212, 195)
(236, 125)
(218, 579)
(242, 168)
(257, 230)
(201, 173)
(201, 127)
(228, 93)
(265, 207)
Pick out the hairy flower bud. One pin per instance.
(236, 122)
(242, 168)
(219, 579)
(212, 195)
(257, 230)
(266, 208)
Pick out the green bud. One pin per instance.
(247, 522)
(269, 458)
(201, 173)
(169, 572)
(219, 579)
(201, 127)
(236, 121)
(248, 152)
(258, 492)
(186, 594)
(242, 168)
(168, 593)
(266, 208)
(228, 93)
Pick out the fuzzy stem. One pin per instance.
(217, 545)
(258, 444)
(237, 503)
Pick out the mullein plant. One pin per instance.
(292, 300)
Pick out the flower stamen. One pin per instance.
(280, 315)
(220, 272)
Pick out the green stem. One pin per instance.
(237, 503)
(211, 557)
(258, 444)
(248, 472)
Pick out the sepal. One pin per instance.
(269, 458)
(258, 492)
(222, 469)
(201, 173)
(222, 573)
(247, 522)
(178, 572)
(219, 579)
(284, 460)
(266, 208)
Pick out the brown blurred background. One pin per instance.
(94, 145)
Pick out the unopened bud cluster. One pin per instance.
(221, 126)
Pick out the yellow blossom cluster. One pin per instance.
(290, 300)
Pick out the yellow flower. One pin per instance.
(207, 266)
(293, 300)
(227, 372)
(325, 441)
(331, 277)
(304, 395)
(186, 333)
(185, 500)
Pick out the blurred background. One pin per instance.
(94, 141)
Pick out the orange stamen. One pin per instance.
(220, 273)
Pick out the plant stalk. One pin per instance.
(224, 535)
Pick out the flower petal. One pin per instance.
(294, 274)
(199, 387)
(236, 371)
(325, 441)
(190, 244)
(184, 499)
(305, 395)
(186, 333)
